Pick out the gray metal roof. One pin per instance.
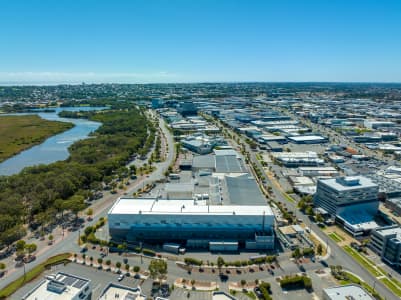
(243, 190)
(229, 164)
(203, 162)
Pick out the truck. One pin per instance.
(173, 248)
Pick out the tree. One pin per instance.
(243, 282)
(108, 262)
(127, 267)
(51, 237)
(319, 249)
(2, 266)
(220, 263)
(136, 269)
(118, 265)
(319, 218)
(296, 253)
(20, 245)
(157, 268)
(99, 260)
(89, 212)
(30, 248)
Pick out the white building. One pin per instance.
(117, 291)
(346, 292)
(191, 223)
(374, 124)
(61, 286)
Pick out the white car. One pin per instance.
(121, 277)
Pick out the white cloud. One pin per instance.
(88, 77)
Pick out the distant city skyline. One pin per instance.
(177, 41)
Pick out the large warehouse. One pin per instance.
(191, 223)
(220, 208)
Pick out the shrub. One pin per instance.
(149, 252)
(192, 261)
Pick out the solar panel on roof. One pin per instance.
(69, 280)
(79, 284)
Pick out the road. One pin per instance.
(69, 241)
(338, 255)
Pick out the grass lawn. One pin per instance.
(32, 274)
(335, 237)
(362, 260)
(392, 286)
(18, 133)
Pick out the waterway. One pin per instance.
(55, 148)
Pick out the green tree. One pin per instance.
(89, 212)
(30, 248)
(20, 245)
(157, 268)
(220, 263)
(296, 253)
(118, 265)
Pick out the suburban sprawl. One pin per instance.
(203, 191)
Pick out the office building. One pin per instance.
(61, 286)
(353, 201)
(336, 195)
(386, 242)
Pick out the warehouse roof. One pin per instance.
(229, 164)
(152, 206)
(243, 190)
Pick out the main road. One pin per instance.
(69, 242)
(337, 255)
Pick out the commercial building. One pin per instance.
(61, 286)
(298, 159)
(220, 208)
(308, 139)
(386, 242)
(201, 143)
(117, 291)
(374, 124)
(318, 171)
(336, 195)
(190, 223)
(346, 292)
(352, 200)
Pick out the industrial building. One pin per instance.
(346, 292)
(386, 242)
(191, 223)
(342, 197)
(201, 143)
(61, 286)
(307, 139)
(298, 159)
(220, 209)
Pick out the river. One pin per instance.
(55, 148)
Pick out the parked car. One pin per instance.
(121, 277)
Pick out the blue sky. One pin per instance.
(139, 41)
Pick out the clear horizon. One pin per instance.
(160, 41)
